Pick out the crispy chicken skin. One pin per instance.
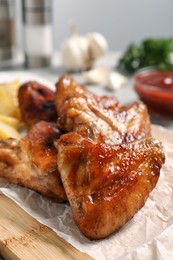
(32, 162)
(105, 165)
(36, 103)
(101, 118)
(106, 185)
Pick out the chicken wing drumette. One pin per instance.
(32, 162)
(36, 103)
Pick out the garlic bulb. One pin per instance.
(79, 52)
(75, 53)
(98, 44)
(95, 76)
(115, 81)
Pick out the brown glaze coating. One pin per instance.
(102, 119)
(106, 185)
(36, 103)
(32, 162)
(108, 164)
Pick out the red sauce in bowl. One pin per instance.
(155, 89)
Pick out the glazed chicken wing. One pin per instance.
(106, 165)
(106, 185)
(32, 162)
(102, 119)
(36, 103)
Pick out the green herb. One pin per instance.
(151, 52)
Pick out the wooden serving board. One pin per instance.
(22, 237)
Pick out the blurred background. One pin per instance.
(120, 21)
(38, 34)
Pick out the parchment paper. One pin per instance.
(149, 235)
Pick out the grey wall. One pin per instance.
(121, 21)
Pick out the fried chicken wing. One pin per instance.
(32, 162)
(36, 103)
(106, 185)
(101, 118)
(106, 164)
